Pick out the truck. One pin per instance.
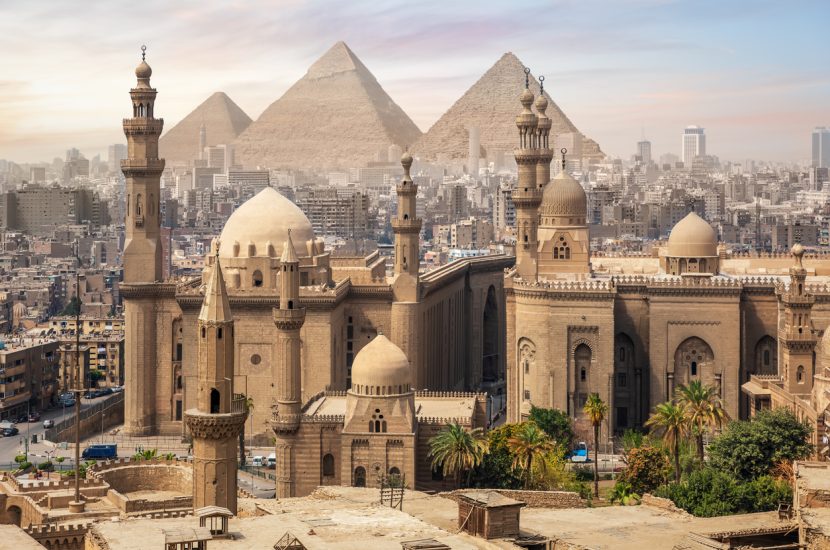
(101, 452)
(580, 453)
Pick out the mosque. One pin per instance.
(352, 371)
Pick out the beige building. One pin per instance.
(633, 329)
(449, 323)
(28, 375)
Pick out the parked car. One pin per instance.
(257, 461)
(34, 416)
(48, 424)
(117, 389)
(9, 432)
(580, 453)
(272, 461)
(106, 451)
(21, 419)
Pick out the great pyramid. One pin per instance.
(336, 116)
(223, 120)
(492, 104)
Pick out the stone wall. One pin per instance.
(533, 499)
(148, 476)
(59, 537)
(662, 504)
(113, 411)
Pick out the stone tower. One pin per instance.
(528, 193)
(289, 319)
(219, 415)
(796, 335)
(407, 228)
(142, 252)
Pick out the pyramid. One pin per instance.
(492, 104)
(223, 120)
(336, 116)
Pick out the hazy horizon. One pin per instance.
(750, 72)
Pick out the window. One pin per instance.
(693, 368)
(257, 278)
(622, 379)
(527, 395)
(328, 464)
(622, 354)
(582, 375)
(799, 374)
(204, 332)
(360, 476)
(214, 401)
(256, 359)
(394, 471)
(219, 333)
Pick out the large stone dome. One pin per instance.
(693, 237)
(381, 368)
(262, 220)
(564, 197)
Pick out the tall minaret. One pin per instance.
(289, 319)
(527, 196)
(217, 420)
(543, 126)
(796, 336)
(142, 254)
(405, 307)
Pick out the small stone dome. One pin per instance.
(264, 220)
(143, 70)
(693, 237)
(564, 197)
(381, 368)
(541, 103)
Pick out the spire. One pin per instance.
(289, 255)
(143, 72)
(215, 306)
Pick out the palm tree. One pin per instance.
(249, 407)
(595, 409)
(528, 442)
(703, 410)
(670, 419)
(455, 450)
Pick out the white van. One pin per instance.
(257, 462)
(272, 461)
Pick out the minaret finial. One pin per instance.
(527, 77)
(564, 152)
(143, 51)
(541, 85)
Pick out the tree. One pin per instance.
(525, 445)
(703, 410)
(647, 468)
(669, 420)
(455, 450)
(557, 424)
(496, 470)
(751, 449)
(596, 409)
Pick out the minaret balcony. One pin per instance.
(409, 189)
(289, 319)
(283, 423)
(526, 156)
(142, 126)
(141, 166)
(217, 426)
(411, 225)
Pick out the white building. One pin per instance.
(694, 144)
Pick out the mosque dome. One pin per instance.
(693, 237)
(143, 70)
(564, 197)
(381, 368)
(263, 221)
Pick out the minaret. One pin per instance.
(142, 254)
(544, 154)
(796, 336)
(217, 420)
(405, 306)
(527, 196)
(289, 319)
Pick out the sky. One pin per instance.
(754, 73)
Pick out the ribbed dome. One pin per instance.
(693, 237)
(381, 368)
(564, 198)
(264, 220)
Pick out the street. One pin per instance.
(11, 446)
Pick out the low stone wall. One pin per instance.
(662, 504)
(46, 486)
(64, 537)
(151, 475)
(112, 408)
(533, 499)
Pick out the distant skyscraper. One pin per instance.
(694, 144)
(821, 147)
(644, 151)
(115, 154)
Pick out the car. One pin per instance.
(257, 462)
(21, 419)
(48, 424)
(34, 416)
(580, 453)
(68, 402)
(106, 391)
(9, 432)
(272, 461)
(117, 389)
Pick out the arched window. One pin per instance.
(178, 382)
(204, 332)
(140, 109)
(799, 374)
(394, 471)
(214, 401)
(328, 464)
(555, 253)
(693, 357)
(219, 332)
(693, 368)
(371, 426)
(582, 375)
(377, 426)
(257, 279)
(383, 426)
(290, 304)
(360, 477)
(138, 205)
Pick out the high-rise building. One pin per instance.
(694, 144)
(644, 151)
(115, 154)
(821, 147)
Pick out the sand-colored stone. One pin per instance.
(336, 116)
(224, 120)
(491, 105)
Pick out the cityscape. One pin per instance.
(344, 315)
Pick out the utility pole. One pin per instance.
(77, 506)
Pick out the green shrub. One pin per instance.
(20, 459)
(46, 466)
(584, 473)
(647, 468)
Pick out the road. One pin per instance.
(11, 446)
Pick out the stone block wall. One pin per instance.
(533, 499)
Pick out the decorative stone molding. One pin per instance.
(289, 319)
(138, 291)
(214, 426)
